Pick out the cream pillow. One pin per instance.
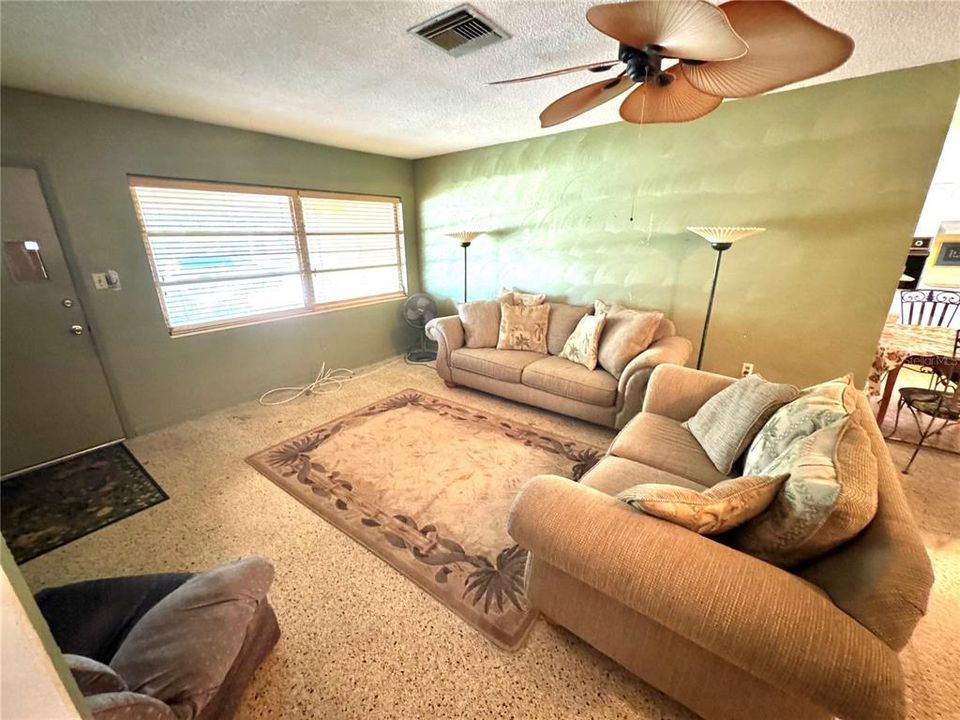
(518, 298)
(626, 334)
(582, 346)
(523, 327)
(724, 506)
(481, 323)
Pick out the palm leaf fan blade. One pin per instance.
(591, 67)
(677, 102)
(579, 101)
(786, 46)
(690, 29)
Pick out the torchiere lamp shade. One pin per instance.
(717, 235)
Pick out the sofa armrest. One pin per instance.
(633, 382)
(678, 392)
(447, 332)
(752, 614)
(126, 705)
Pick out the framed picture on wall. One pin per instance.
(949, 254)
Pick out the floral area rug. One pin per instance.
(426, 484)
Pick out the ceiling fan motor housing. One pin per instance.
(645, 64)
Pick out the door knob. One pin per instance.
(76, 329)
(67, 303)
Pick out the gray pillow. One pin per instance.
(727, 423)
(183, 647)
(93, 677)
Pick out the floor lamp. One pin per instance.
(465, 238)
(720, 239)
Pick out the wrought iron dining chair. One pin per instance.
(941, 401)
(929, 307)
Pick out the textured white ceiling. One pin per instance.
(348, 74)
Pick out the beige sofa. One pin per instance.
(726, 634)
(551, 382)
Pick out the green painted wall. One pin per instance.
(836, 172)
(84, 152)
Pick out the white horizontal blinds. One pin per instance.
(220, 255)
(226, 255)
(355, 246)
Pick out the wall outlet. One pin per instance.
(746, 369)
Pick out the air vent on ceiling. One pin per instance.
(459, 31)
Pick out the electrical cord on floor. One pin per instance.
(327, 381)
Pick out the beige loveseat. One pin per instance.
(551, 382)
(728, 635)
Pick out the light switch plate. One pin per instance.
(100, 281)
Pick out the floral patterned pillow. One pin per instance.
(815, 408)
(724, 506)
(583, 345)
(523, 327)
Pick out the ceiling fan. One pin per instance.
(738, 49)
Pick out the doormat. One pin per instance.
(46, 508)
(426, 484)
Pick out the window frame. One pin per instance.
(306, 272)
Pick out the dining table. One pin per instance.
(900, 345)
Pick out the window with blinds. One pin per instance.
(226, 255)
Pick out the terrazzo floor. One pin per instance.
(360, 640)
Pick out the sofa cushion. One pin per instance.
(664, 443)
(815, 408)
(830, 497)
(506, 365)
(715, 510)
(583, 345)
(727, 423)
(626, 334)
(481, 323)
(614, 474)
(523, 327)
(563, 321)
(182, 649)
(570, 380)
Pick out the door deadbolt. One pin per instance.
(67, 303)
(76, 329)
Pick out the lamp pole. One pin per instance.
(465, 245)
(719, 247)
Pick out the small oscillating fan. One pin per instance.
(418, 310)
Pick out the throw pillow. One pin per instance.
(626, 334)
(727, 423)
(183, 647)
(563, 321)
(815, 408)
(830, 497)
(514, 297)
(93, 677)
(481, 323)
(523, 327)
(582, 346)
(724, 506)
